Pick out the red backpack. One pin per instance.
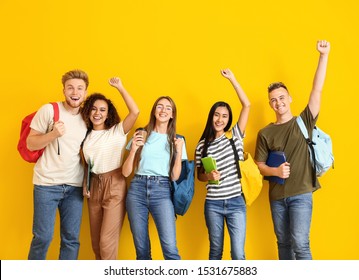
(26, 154)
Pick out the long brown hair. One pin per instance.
(171, 130)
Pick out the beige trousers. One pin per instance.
(106, 207)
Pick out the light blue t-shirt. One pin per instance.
(155, 156)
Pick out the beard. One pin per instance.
(73, 103)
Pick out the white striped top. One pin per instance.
(221, 150)
(104, 149)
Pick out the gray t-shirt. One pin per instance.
(287, 137)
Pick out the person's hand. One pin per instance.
(178, 144)
(116, 82)
(85, 193)
(323, 47)
(227, 73)
(59, 128)
(137, 141)
(284, 170)
(214, 175)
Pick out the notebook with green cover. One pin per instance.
(209, 165)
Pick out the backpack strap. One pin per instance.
(311, 147)
(180, 136)
(55, 105)
(302, 127)
(235, 152)
(82, 146)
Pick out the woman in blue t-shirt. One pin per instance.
(156, 161)
(224, 200)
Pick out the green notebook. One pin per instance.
(209, 165)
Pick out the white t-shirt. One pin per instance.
(64, 168)
(104, 149)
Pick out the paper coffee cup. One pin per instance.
(142, 131)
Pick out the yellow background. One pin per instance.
(177, 48)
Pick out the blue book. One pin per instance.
(275, 158)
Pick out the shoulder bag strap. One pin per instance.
(310, 145)
(236, 157)
(55, 106)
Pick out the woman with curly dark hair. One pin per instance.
(103, 150)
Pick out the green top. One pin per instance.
(287, 137)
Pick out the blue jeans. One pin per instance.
(233, 212)
(291, 218)
(152, 194)
(47, 199)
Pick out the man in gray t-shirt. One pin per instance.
(291, 203)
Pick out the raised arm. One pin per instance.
(243, 116)
(133, 113)
(323, 48)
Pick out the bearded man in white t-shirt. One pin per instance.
(58, 173)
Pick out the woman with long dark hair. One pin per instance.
(224, 201)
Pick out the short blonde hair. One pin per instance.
(75, 74)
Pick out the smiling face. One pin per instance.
(163, 111)
(98, 115)
(75, 92)
(220, 120)
(279, 100)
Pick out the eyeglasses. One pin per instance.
(160, 107)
